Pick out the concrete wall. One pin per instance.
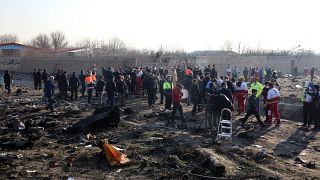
(11, 64)
(281, 63)
(68, 63)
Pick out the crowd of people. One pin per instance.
(171, 84)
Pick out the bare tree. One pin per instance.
(58, 40)
(116, 45)
(242, 48)
(7, 38)
(41, 41)
(88, 43)
(227, 46)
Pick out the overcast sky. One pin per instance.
(187, 24)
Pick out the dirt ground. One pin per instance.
(47, 149)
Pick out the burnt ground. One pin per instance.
(47, 148)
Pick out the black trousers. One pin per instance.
(74, 91)
(89, 94)
(37, 84)
(266, 112)
(307, 113)
(151, 97)
(7, 86)
(83, 89)
(177, 107)
(316, 115)
(249, 113)
(168, 101)
(194, 109)
(161, 97)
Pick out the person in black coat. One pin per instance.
(64, 86)
(74, 84)
(150, 85)
(82, 78)
(121, 89)
(38, 79)
(224, 90)
(111, 89)
(44, 75)
(99, 87)
(187, 85)
(204, 84)
(35, 79)
(194, 95)
(7, 81)
(161, 91)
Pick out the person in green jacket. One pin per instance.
(257, 86)
(167, 89)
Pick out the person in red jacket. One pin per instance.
(176, 100)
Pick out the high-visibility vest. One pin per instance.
(167, 87)
(93, 77)
(257, 86)
(88, 80)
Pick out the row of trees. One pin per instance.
(243, 49)
(115, 46)
(55, 40)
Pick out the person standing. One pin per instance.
(7, 81)
(235, 72)
(49, 92)
(253, 108)
(308, 105)
(295, 72)
(241, 91)
(82, 78)
(316, 108)
(312, 71)
(257, 86)
(111, 89)
(167, 89)
(246, 74)
(74, 84)
(176, 99)
(229, 71)
(89, 86)
(121, 89)
(99, 87)
(44, 75)
(38, 79)
(151, 85)
(35, 79)
(64, 86)
(194, 95)
(264, 95)
(161, 91)
(214, 72)
(306, 70)
(272, 104)
(225, 91)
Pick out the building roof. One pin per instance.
(17, 44)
